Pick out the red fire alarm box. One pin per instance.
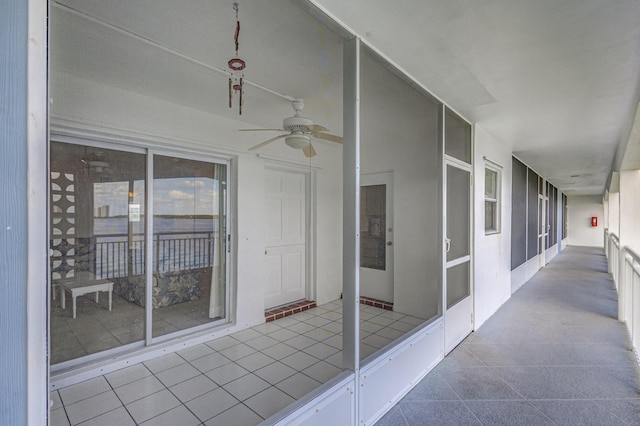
(594, 221)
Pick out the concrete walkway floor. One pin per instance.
(554, 354)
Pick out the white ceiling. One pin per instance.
(557, 81)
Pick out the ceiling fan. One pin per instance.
(300, 132)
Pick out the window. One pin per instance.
(491, 199)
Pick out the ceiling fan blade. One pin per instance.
(315, 128)
(260, 145)
(309, 151)
(327, 137)
(260, 130)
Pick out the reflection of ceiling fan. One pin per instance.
(97, 162)
(301, 130)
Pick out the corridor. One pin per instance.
(554, 354)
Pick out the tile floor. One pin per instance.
(238, 379)
(97, 329)
(554, 354)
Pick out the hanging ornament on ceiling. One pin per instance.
(237, 66)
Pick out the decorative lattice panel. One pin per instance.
(63, 225)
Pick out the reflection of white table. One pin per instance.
(81, 287)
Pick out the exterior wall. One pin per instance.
(13, 166)
(614, 213)
(104, 111)
(629, 208)
(492, 264)
(23, 132)
(580, 232)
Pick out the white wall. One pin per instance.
(579, 230)
(492, 264)
(405, 142)
(629, 208)
(614, 213)
(83, 107)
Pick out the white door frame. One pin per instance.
(542, 208)
(309, 174)
(465, 305)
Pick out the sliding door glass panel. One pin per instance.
(97, 243)
(188, 285)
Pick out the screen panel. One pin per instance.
(518, 214)
(532, 209)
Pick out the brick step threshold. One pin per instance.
(285, 311)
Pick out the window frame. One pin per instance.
(497, 201)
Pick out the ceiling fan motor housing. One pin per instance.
(297, 123)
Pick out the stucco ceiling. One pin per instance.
(556, 81)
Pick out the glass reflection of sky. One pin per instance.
(172, 196)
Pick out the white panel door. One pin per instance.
(285, 237)
(376, 236)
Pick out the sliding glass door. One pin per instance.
(189, 243)
(97, 250)
(102, 295)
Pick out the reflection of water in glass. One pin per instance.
(178, 244)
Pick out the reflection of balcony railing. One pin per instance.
(172, 251)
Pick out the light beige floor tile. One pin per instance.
(178, 374)
(58, 418)
(237, 351)
(119, 417)
(193, 388)
(246, 335)
(92, 407)
(246, 386)
(152, 406)
(284, 334)
(139, 389)
(237, 415)
(301, 342)
(210, 362)
(255, 361)
(267, 327)
(227, 373)
(279, 351)
(299, 360)
(276, 372)
(127, 375)
(262, 342)
(322, 371)
(268, 402)
(54, 400)
(222, 343)
(211, 404)
(320, 350)
(165, 362)
(195, 352)
(376, 341)
(298, 385)
(84, 390)
(177, 416)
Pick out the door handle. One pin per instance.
(447, 244)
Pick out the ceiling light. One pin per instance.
(297, 141)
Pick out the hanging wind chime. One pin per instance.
(236, 65)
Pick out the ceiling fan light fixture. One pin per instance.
(297, 141)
